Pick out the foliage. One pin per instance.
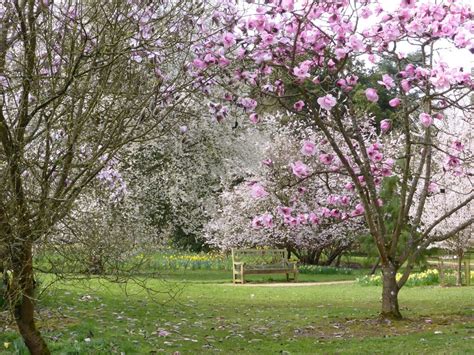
(425, 278)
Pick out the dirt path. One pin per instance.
(292, 284)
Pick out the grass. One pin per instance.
(208, 315)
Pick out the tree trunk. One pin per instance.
(21, 298)
(459, 269)
(374, 267)
(390, 309)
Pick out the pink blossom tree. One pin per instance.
(296, 56)
(288, 205)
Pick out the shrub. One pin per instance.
(425, 278)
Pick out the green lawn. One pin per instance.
(208, 316)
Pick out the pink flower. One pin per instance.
(327, 102)
(349, 186)
(387, 81)
(394, 102)
(458, 146)
(308, 149)
(258, 191)
(371, 95)
(356, 43)
(257, 222)
(301, 72)
(453, 161)
(267, 220)
(326, 159)
(228, 40)
(405, 85)
(312, 218)
(425, 119)
(359, 210)
(287, 5)
(345, 200)
(248, 103)
(300, 169)
(199, 64)
(285, 211)
(302, 218)
(183, 129)
(254, 118)
(333, 200)
(385, 126)
(386, 171)
(298, 106)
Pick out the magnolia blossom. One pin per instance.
(300, 169)
(385, 126)
(263, 221)
(327, 102)
(326, 159)
(308, 149)
(371, 95)
(253, 117)
(425, 119)
(458, 145)
(313, 218)
(395, 102)
(284, 211)
(248, 103)
(228, 39)
(387, 81)
(302, 71)
(359, 210)
(298, 106)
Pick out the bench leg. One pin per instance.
(242, 280)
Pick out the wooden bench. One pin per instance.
(261, 261)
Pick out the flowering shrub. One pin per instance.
(184, 261)
(425, 278)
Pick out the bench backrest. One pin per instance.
(259, 256)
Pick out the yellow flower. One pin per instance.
(6, 345)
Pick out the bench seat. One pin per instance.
(270, 261)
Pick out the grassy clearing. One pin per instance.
(210, 316)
